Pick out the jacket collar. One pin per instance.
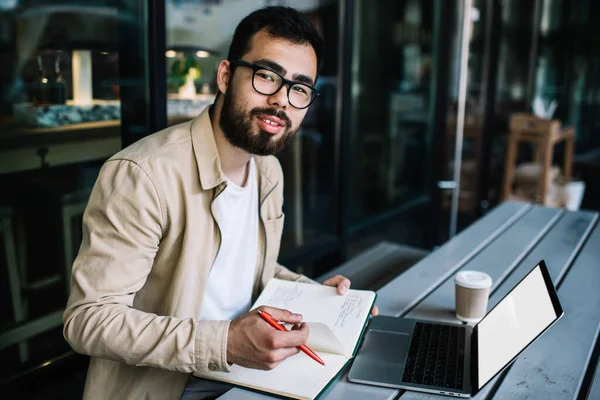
(208, 161)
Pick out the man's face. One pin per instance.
(261, 124)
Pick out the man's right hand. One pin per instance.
(253, 343)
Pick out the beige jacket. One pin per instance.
(149, 241)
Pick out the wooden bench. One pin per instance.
(559, 242)
(571, 342)
(507, 243)
(377, 265)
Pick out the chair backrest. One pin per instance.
(525, 124)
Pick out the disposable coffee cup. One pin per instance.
(472, 293)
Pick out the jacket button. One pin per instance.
(213, 367)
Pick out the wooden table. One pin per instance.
(23, 149)
(506, 244)
(26, 148)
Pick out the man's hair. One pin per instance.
(280, 22)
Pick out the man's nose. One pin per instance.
(279, 98)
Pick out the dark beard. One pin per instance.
(237, 127)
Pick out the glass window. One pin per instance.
(472, 134)
(60, 119)
(196, 40)
(567, 80)
(391, 85)
(567, 71)
(512, 85)
(309, 163)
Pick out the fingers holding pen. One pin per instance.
(281, 314)
(283, 338)
(254, 343)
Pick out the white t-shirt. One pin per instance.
(231, 279)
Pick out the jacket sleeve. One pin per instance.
(122, 230)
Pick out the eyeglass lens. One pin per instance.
(267, 82)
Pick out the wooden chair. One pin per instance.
(543, 134)
(14, 279)
(72, 205)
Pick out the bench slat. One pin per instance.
(548, 366)
(372, 255)
(377, 265)
(559, 248)
(404, 292)
(497, 259)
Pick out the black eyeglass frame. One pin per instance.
(284, 81)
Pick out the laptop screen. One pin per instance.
(516, 321)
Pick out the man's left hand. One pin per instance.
(343, 284)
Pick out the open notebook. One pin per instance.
(336, 325)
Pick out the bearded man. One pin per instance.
(182, 229)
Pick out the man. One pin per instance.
(182, 229)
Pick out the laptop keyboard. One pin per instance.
(436, 356)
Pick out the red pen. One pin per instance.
(275, 323)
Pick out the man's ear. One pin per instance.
(223, 75)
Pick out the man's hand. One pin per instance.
(253, 343)
(343, 284)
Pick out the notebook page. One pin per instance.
(345, 314)
(298, 376)
(321, 338)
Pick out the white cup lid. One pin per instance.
(473, 279)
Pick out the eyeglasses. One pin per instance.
(268, 82)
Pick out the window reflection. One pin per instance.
(191, 83)
(391, 142)
(60, 119)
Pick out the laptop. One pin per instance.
(457, 360)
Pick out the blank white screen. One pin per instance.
(518, 319)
